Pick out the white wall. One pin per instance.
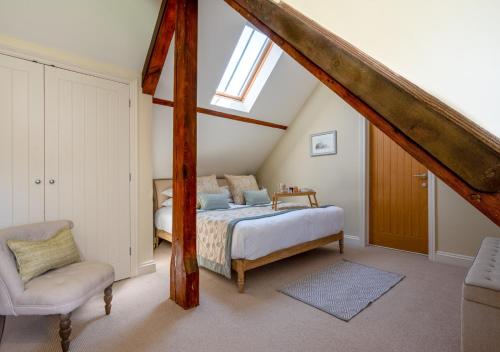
(450, 48)
(145, 177)
(224, 146)
(338, 178)
(459, 226)
(144, 115)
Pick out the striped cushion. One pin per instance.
(240, 184)
(37, 257)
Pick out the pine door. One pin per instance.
(87, 163)
(21, 142)
(398, 196)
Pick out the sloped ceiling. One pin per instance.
(449, 48)
(111, 31)
(119, 32)
(226, 146)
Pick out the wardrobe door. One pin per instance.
(21, 142)
(87, 163)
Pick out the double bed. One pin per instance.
(258, 235)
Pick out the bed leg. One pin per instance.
(240, 269)
(2, 325)
(241, 282)
(341, 245)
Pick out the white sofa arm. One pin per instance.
(481, 300)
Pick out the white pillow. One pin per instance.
(169, 192)
(168, 203)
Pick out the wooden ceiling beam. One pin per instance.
(158, 48)
(224, 115)
(184, 272)
(460, 153)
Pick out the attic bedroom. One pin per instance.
(221, 175)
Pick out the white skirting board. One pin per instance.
(453, 259)
(352, 240)
(147, 267)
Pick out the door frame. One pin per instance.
(365, 195)
(133, 139)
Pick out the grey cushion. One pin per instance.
(213, 201)
(482, 283)
(256, 197)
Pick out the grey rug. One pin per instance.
(343, 289)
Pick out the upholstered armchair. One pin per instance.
(59, 291)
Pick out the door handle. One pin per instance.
(38, 181)
(422, 175)
(52, 181)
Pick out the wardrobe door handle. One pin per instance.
(52, 181)
(38, 181)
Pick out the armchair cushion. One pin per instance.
(11, 284)
(63, 290)
(37, 257)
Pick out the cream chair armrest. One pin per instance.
(6, 306)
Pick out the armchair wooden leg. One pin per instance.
(341, 245)
(2, 325)
(108, 297)
(65, 331)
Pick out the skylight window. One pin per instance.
(250, 66)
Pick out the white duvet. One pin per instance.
(257, 238)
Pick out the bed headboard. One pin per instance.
(161, 184)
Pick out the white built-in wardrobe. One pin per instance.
(64, 154)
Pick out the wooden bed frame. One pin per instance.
(243, 265)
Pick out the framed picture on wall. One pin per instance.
(324, 143)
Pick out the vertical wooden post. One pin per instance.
(184, 274)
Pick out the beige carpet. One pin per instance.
(422, 313)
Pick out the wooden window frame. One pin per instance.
(258, 68)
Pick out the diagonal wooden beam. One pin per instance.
(456, 150)
(184, 272)
(158, 48)
(224, 115)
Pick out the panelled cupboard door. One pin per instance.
(87, 163)
(398, 196)
(21, 142)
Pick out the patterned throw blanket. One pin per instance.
(215, 233)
